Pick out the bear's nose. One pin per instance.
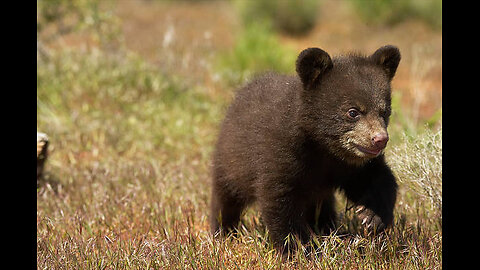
(380, 140)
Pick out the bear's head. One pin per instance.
(346, 102)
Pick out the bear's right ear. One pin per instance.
(312, 63)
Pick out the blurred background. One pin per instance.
(151, 74)
(211, 47)
(131, 93)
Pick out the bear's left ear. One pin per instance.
(388, 57)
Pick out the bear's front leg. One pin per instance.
(373, 189)
(284, 215)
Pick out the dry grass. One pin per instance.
(417, 162)
(127, 180)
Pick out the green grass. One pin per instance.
(292, 17)
(256, 50)
(127, 182)
(120, 102)
(128, 146)
(390, 12)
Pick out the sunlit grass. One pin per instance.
(256, 50)
(127, 181)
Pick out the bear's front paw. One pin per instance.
(372, 223)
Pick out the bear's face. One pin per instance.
(347, 101)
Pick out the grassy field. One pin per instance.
(131, 94)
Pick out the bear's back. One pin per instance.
(259, 124)
(265, 107)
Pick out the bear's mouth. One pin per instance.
(369, 151)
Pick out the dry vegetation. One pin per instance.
(131, 98)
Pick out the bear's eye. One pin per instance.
(353, 113)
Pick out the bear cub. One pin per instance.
(288, 142)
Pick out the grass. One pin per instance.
(288, 16)
(418, 164)
(127, 179)
(391, 12)
(256, 50)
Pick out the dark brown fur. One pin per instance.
(288, 142)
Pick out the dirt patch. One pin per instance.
(178, 36)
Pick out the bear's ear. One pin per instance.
(388, 57)
(311, 64)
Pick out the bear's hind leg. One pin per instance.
(225, 213)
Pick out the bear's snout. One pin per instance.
(380, 140)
